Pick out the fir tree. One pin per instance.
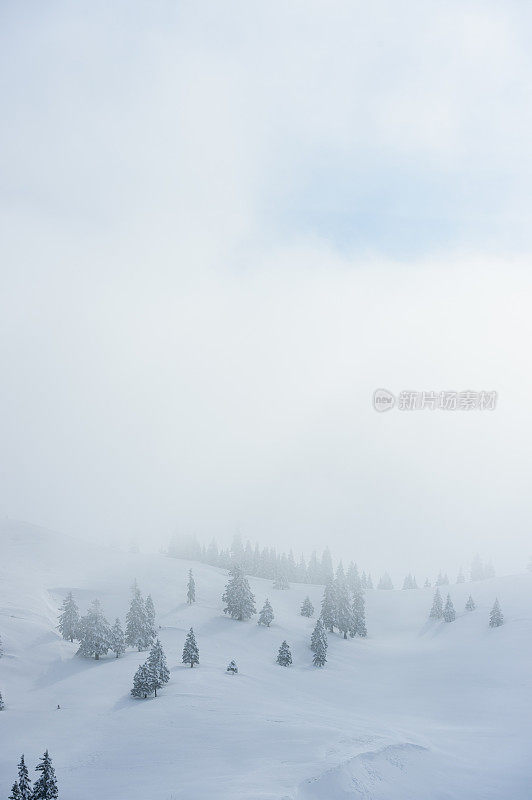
(266, 614)
(238, 597)
(328, 606)
(470, 605)
(344, 612)
(460, 577)
(150, 617)
(117, 640)
(359, 616)
(45, 787)
(94, 633)
(232, 668)
(307, 609)
(23, 783)
(142, 685)
(139, 632)
(281, 582)
(369, 582)
(158, 671)
(427, 583)
(2, 704)
(496, 615)
(318, 644)
(191, 588)
(69, 619)
(436, 612)
(15, 792)
(190, 650)
(449, 614)
(284, 656)
(385, 582)
(353, 578)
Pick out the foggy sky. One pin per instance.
(223, 226)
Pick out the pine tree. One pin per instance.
(238, 597)
(69, 619)
(284, 656)
(24, 785)
(470, 605)
(2, 704)
(45, 787)
(344, 611)
(158, 672)
(328, 606)
(232, 668)
(139, 631)
(1, 648)
(353, 578)
(94, 633)
(385, 582)
(449, 614)
(436, 612)
(496, 615)
(142, 685)
(150, 617)
(427, 583)
(191, 588)
(190, 650)
(369, 582)
(15, 792)
(117, 641)
(359, 616)
(266, 614)
(307, 609)
(281, 582)
(318, 644)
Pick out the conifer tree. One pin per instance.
(1, 648)
(139, 632)
(344, 611)
(142, 682)
(427, 583)
(117, 641)
(94, 633)
(470, 605)
(266, 614)
(281, 582)
(385, 582)
(436, 612)
(69, 619)
(369, 581)
(150, 617)
(460, 577)
(15, 792)
(232, 668)
(358, 627)
(328, 606)
(2, 704)
(24, 785)
(191, 588)
(496, 615)
(190, 650)
(158, 672)
(238, 597)
(284, 656)
(353, 578)
(307, 609)
(318, 644)
(449, 614)
(45, 787)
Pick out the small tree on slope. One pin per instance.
(69, 618)
(328, 606)
(159, 674)
(266, 614)
(359, 616)
(150, 617)
(191, 588)
(15, 792)
(496, 615)
(45, 787)
(117, 641)
(449, 614)
(24, 785)
(344, 612)
(284, 656)
(470, 605)
(139, 632)
(307, 609)
(318, 644)
(436, 612)
(94, 632)
(142, 682)
(238, 597)
(232, 668)
(281, 582)
(190, 650)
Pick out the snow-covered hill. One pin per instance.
(415, 711)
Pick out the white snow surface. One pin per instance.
(430, 711)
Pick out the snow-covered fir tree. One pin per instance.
(238, 597)
(150, 617)
(328, 606)
(410, 582)
(307, 609)
(470, 605)
(117, 640)
(442, 580)
(191, 588)
(359, 616)
(23, 782)
(496, 615)
(385, 582)
(266, 614)
(2, 704)
(436, 612)
(281, 582)
(139, 630)
(94, 633)
(1, 648)
(232, 668)
(45, 787)
(369, 582)
(353, 578)
(343, 611)
(69, 619)
(158, 672)
(449, 614)
(142, 682)
(460, 578)
(15, 792)
(190, 650)
(427, 583)
(284, 656)
(318, 644)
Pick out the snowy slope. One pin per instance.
(416, 711)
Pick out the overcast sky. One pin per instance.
(223, 226)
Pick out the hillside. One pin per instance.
(418, 710)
